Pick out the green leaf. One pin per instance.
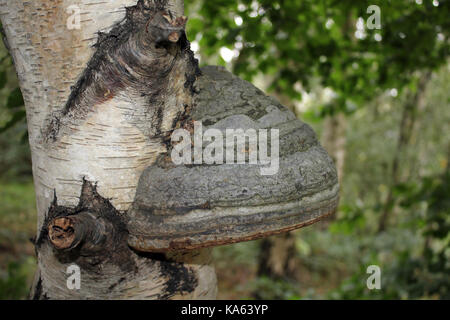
(15, 99)
(3, 79)
(17, 117)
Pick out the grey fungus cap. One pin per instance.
(190, 206)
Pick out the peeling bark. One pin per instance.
(101, 101)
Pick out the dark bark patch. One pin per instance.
(37, 290)
(118, 65)
(111, 287)
(93, 250)
(192, 76)
(180, 279)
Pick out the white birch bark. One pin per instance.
(109, 147)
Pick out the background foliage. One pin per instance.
(320, 59)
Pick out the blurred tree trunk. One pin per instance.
(334, 140)
(277, 258)
(414, 102)
(88, 152)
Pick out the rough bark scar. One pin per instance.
(91, 234)
(61, 232)
(76, 238)
(181, 279)
(138, 56)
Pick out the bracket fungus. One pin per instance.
(106, 151)
(195, 205)
(213, 199)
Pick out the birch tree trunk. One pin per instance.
(100, 101)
